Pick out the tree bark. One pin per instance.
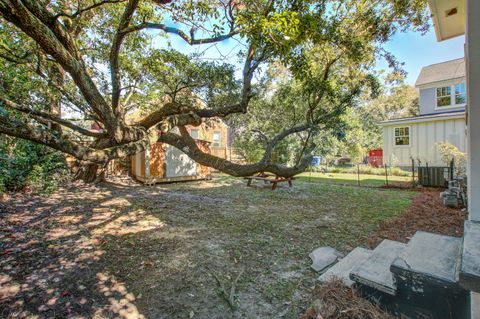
(90, 173)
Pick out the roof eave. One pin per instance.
(444, 31)
(436, 24)
(427, 118)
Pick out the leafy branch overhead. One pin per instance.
(102, 60)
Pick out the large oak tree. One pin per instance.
(102, 58)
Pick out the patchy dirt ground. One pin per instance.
(166, 251)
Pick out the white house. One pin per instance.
(441, 118)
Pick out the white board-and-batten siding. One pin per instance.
(424, 137)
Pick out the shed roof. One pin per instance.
(442, 71)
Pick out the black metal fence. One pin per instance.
(417, 174)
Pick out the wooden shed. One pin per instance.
(165, 163)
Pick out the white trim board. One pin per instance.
(424, 118)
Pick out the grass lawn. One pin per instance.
(176, 250)
(352, 179)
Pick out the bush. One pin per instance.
(450, 152)
(364, 169)
(32, 167)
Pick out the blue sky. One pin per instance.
(417, 51)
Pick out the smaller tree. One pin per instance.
(400, 101)
(450, 152)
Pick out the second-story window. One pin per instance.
(216, 139)
(460, 96)
(452, 95)
(444, 96)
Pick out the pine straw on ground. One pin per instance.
(426, 213)
(334, 300)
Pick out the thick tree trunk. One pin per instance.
(90, 173)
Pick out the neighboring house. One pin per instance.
(221, 138)
(443, 99)
(217, 133)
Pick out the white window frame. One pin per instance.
(198, 133)
(452, 96)
(409, 136)
(219, 142)
(455, 93)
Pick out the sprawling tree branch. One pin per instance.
(188, 145)
(49, 117)
(30, 23)
(80, 11)
(115, 51)
(189, 39)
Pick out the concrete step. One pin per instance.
(470, 265)
(324, 257)
(426, 276)
(343, 268)
(434, 257)
(374, 272)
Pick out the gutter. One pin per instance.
(425, 118)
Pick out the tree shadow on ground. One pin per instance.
(51, 257)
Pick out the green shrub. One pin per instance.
(364, 169)
(450, 152)
(28, 166)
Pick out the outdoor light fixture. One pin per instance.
(451, 12)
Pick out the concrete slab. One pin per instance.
(324, 257)
(431, 256)
(375, 271)
(343, 268)
(470, 265)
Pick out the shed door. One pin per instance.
(178, 163)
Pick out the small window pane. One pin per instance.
(460, 99)
(216, 138)
(443, 101)
(460, 88)
(460, 94)
(444, 96)
(194, 133)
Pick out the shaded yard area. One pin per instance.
(352, 179)
(114, 250)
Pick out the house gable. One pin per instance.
(442, 87)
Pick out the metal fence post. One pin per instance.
(386, 174)
(452, 168)
(413, 173)
(428, 173)
(358, 173)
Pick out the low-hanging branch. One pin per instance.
(187, 144)
(49, 117)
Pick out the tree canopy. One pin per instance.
(101, 59)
